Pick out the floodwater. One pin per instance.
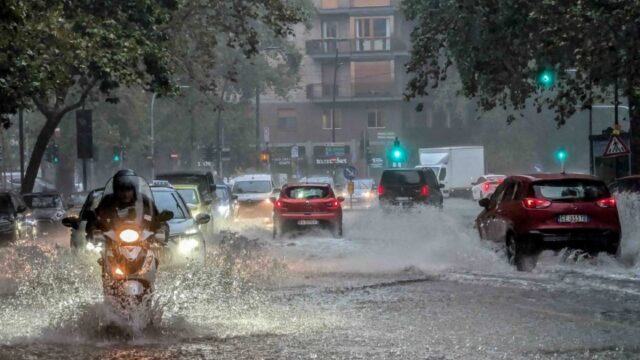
(409, 286)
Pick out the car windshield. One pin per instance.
(221, 193)
(307, 192)
(401, 177)
(43, 201)
(571, 190)
(168, 200)
(190, 196)
(252, 187)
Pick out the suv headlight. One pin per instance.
(187, 244)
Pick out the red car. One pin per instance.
(304, 205)
(531, 213)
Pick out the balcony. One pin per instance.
(354, 91)
(350, 47)
(356, 6)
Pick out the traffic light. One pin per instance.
(118, 153)
(264, 156)
(561, 154)
(546, 78)
(398, 154)
(55, 154)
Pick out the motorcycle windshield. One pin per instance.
(127, 201)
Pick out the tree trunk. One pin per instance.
(39, 148)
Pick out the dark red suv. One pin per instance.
(305, 205)
(531, 213)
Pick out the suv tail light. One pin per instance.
(279, 204)
(486, 186)
(380, 190)
(424, 190)
(533, 203)
(609, 202)
(333, 204)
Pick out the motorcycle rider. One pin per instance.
(121, 205)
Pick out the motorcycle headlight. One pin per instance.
(187, 245)
(117, 271)
(97, 248)
(129, 235)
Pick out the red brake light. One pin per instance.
(380, 190)
(533, 203)
(607, 202)
(278, 204)
(334, 204)
(486, 186)
(424, 190)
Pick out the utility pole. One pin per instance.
(219, 130)
(21, 141)
(591, 167)
(333, 93)
(257, 126)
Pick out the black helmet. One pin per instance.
(124, 180)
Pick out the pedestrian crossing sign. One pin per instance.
(616, 147)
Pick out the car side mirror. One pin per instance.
(165, 215)
(202, 219)
(71, 222)
(341, 198)
(441, 186)
(273, 199)
(484, 203)
(21, 209)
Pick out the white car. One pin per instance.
(485, 186)
(254, 192)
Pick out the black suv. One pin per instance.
(408, 187)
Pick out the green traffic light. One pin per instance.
(116, 157)
(546, 78)
(561, 155)
(397, 154)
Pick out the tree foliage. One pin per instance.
(499, 48)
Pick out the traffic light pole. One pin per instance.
(333, 93)
(21, 141)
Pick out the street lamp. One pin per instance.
(153, 151)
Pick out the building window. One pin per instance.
(326, 120)
(375, 120)
(287, 120)
(373, 33)
(372, 78)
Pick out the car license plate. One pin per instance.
(307, 222)
(572, 219)
(403, 199)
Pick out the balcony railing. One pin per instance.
(354, 46)
(324, 91)
(347, 4)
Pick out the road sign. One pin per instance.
(616, 147)
(294, 152)
(350, 172)
(387, 135)
(350, 187)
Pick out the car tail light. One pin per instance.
(609, 202)
(486, 186)
(333, 204)
(380, 190)
(279, 204)
(424, 190)
(533, 203)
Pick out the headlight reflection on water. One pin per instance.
(187, 245)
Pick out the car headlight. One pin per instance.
(187, 245)
(97, 248)
(222, 209)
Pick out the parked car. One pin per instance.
(203, 179)
(198, 203)
(78, 224)
(47, 210)
(226, 204)
(485, 186)
(305, 205)
(253, 192)
(531, 213)
(185, 240)
(16, 221)
(409, 187)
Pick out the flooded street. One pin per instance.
(394, 287)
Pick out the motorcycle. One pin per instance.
(128, 253)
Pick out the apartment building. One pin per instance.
(361, 46)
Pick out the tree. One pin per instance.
(58, 52)
(55, 54)
(500, 48)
